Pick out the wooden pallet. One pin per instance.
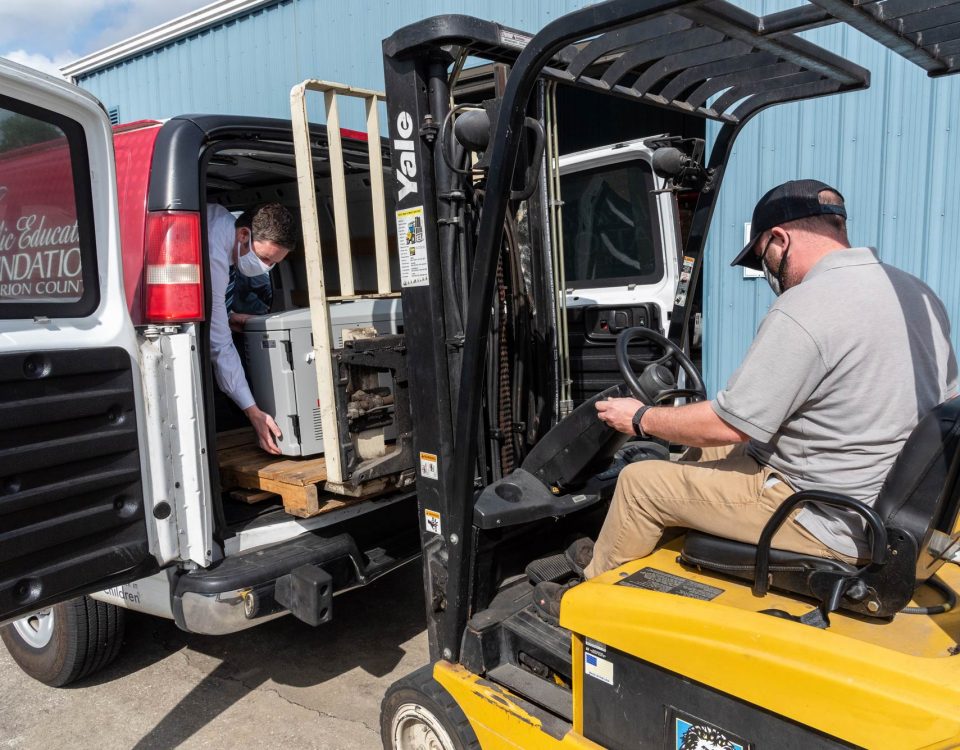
(298, 481)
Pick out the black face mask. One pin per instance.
(776, 281)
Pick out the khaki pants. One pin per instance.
(720, 491)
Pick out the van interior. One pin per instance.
(241, 176)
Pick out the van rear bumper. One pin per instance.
(219, 614)
(240, 592)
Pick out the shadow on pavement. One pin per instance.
(368, 628)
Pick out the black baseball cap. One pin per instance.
(796, 199)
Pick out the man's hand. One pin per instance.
(238, 321)
(618, 413)
(265, 427)
(696, 425)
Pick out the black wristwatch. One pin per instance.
(637, 418)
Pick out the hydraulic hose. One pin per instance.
(949, 596)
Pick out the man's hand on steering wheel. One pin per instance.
(694, 424)
(655, 385)
(618, 413)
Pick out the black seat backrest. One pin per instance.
(921, 494)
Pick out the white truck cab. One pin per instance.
(620, 240)
(621, 249)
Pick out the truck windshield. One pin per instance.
(609, 236)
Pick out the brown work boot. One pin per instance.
(579, 554)
(546, 599)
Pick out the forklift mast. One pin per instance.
(460, 197)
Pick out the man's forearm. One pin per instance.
(696, 425)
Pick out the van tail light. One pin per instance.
(173, 280)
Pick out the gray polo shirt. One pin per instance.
(843, 367)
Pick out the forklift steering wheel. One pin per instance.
(657, 384)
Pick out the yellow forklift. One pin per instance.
(706, 643)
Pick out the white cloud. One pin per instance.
(46, 25)
(47, 64)
(49, 28)
(140, 15)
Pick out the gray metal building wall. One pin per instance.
(891, 150)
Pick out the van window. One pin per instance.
(609, 232)
(47, 252)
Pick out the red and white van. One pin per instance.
(109, 485)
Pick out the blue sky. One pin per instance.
(46, 34)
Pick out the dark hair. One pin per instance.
(272, 222)
(244, 220)
(830, 225)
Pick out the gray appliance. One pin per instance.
(280, 364)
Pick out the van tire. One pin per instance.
(84, 636)
(418, 700)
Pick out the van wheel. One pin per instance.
(66, 642)
(417, 712)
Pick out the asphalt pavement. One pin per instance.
(283, 684)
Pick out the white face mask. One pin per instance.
(775, 280)
(772, 280)
(250, 263)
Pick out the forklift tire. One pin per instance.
(67, 642)
(417, 712)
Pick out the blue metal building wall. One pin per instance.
(892, 150)
(248, 65)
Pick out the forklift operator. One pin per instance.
(850, 356)
(249, 249)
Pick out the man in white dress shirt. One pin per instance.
(248, 251)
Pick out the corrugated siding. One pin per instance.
(249, 64)
(891, 150)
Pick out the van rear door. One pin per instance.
(73, 510)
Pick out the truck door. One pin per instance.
(620, 250)
(73, 509)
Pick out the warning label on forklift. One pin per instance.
(658, 580)
(431, 521)
(428, 466)
(511, 38)
(595, 663)
(412, 246)
(598, 667)
(683, 285)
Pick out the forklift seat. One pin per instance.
(910, 528)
